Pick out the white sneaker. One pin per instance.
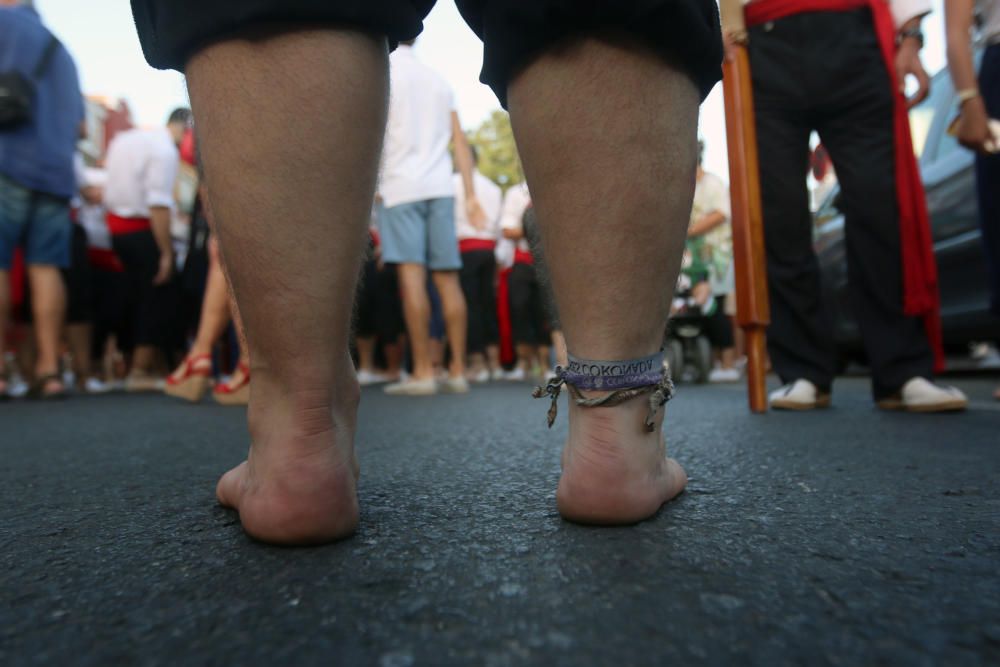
(515, 375)
(920, 395)
(496, 374)
(481, 377)
(799, 395)
(451, 385)
(366, 378)
(412, 388)
(96, 386)
(720, 374)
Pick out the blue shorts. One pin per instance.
(37, 222)
(421, 232)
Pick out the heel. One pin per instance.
(234, 393)
(191, 388)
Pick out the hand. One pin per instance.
(729, 46)
(907, 63)
(475, 213)
(166, 268)
(973, 129)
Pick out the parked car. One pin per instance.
(947, 171)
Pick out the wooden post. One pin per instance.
(752, 307)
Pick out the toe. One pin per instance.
(230, 485)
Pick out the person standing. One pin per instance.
(37, 144)
(979, 102)
(417, 221)
(477, 243)
(865, 49)
(139, 196)
(711, 232)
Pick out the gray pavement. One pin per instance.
(848, 537)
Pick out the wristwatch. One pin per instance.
(915, 32)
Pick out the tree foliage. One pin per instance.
(498, 158)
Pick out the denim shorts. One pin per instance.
(35, 221)
(421, 232)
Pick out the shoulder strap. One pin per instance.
(46, 56)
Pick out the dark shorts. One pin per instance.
(514, 32)
(35, 221)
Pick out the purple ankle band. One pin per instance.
(612, 375)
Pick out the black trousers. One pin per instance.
(478, 284)
(527, 307)
(988, 175)
(151, 308)
(684, 32)
(823, 71)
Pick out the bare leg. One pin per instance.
(214, 307)
(48, 304)
(303, 155)
(559, 342)
(393, 360)
(493, 357)
(417, 313)
(366, 353)
(613, 211)
(455, 318)
(78, 342)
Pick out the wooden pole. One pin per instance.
(752, 307)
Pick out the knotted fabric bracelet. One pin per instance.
(623, 379)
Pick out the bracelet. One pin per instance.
(966, 94)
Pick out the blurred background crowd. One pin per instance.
(117, 285)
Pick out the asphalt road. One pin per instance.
(846, 537)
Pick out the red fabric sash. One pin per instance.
(523, 257)
(104, 259)
(920, 280)
(468, 245)
(118, 225)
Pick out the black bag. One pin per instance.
(17, 93)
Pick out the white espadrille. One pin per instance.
(920, 395)
(799, 395)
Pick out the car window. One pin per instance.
(923, 116)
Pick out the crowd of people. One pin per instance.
(452, 291)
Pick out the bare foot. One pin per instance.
(613, 470)
(298, 485)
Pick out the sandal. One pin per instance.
(37, 391)
(193, 381)
(234, 393)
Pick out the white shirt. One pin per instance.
(490, 198)
(988, 12)
(91, 216)
(711, 194)
(515, 203)
(416, 164)
(142, 169)
(902, 10)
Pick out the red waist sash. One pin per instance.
(469, 245)
(523, 257)
(920, 279)
(119, 225)
(104, 260)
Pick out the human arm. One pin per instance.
(908, 14)
(160, 176)
(463, 159)
(973, 124)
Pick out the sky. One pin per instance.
(101, 37)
